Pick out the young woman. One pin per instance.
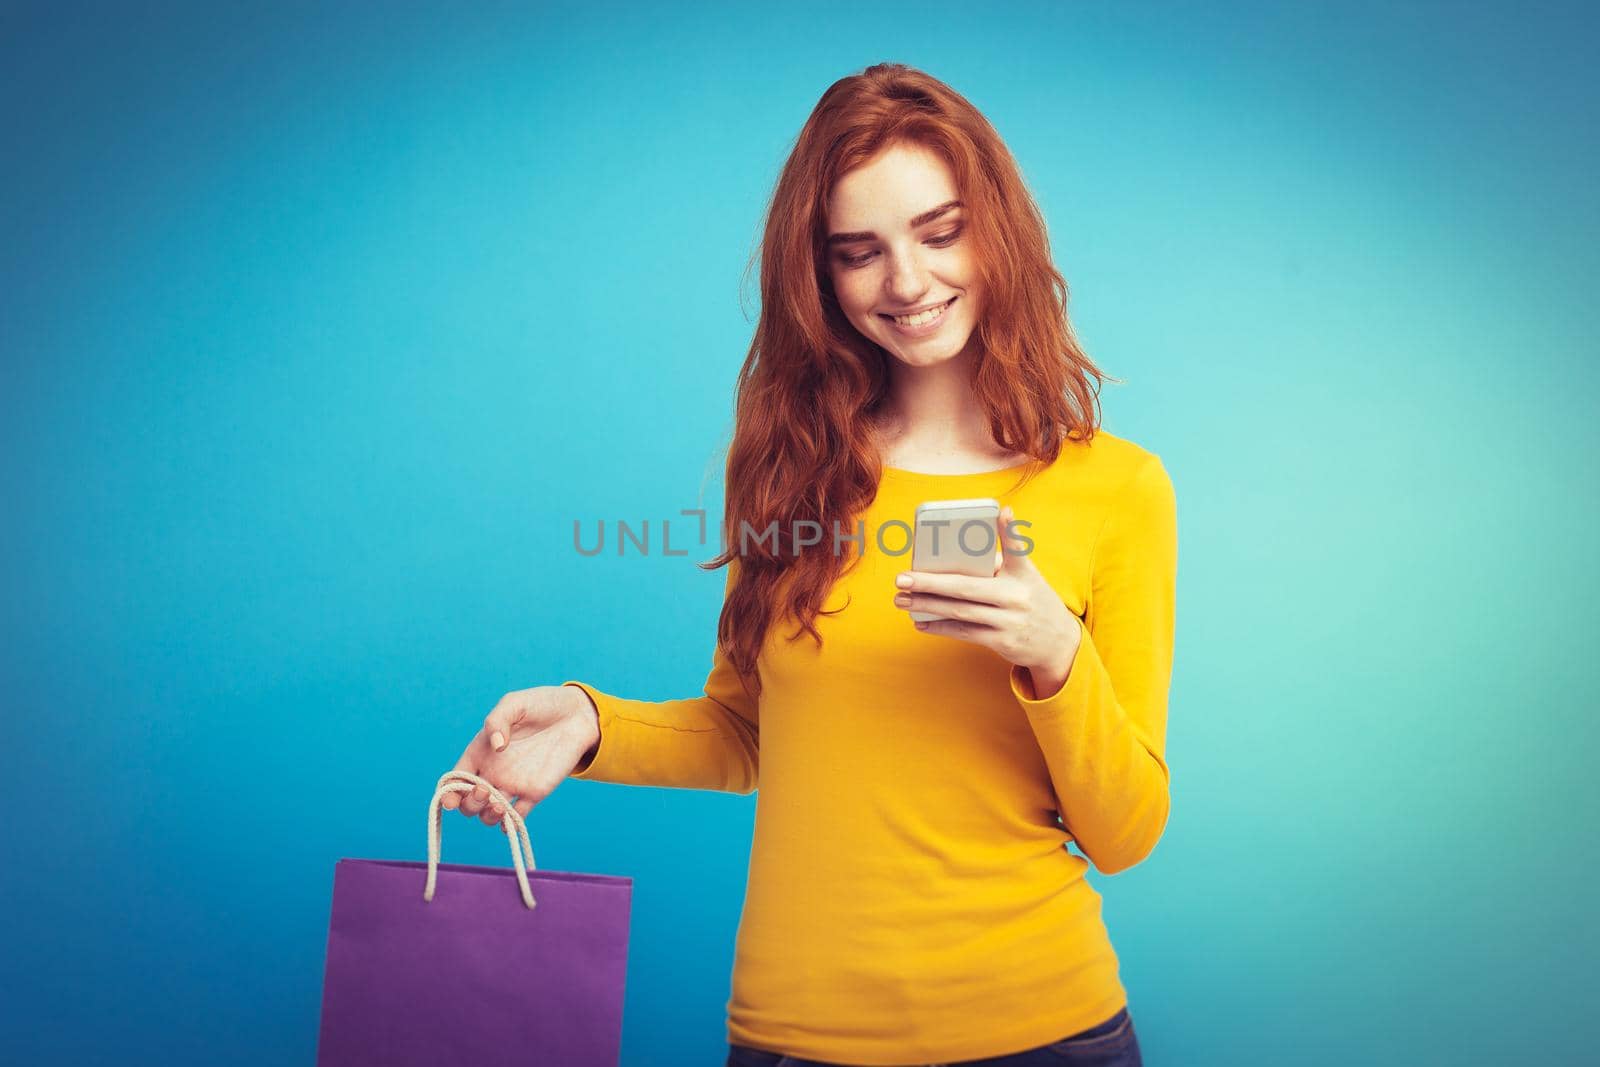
(910, 900)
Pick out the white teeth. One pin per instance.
(923, 318)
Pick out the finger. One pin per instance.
(523, 807)
(506, 714)
(492, 813)
(951, 608)
(469, 763)
(964, 631)
(472, 803)
(1012, 544)
(959, 586)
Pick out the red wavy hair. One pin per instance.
(803, 446)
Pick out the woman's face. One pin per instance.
(896, 247)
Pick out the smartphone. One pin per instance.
(955, 537)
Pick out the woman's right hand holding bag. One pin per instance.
(529, 744)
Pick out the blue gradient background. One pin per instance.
(322, 324)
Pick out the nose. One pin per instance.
(907, 280)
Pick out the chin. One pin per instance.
(922, 359)
(924, 356)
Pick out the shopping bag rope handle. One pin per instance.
(511, 822)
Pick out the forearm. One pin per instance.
(1110, 777)
(693, 743)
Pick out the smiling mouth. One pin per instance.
(921, 318)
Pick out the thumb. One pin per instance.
(1013, 545)
(506, 714)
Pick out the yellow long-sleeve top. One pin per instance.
(910, 898)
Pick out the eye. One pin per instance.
(943, 240)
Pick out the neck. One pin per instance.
(934, 407)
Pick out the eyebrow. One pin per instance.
(920, 220)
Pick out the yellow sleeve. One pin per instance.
(1104, 733)
(703, 742)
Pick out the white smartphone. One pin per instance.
(955, 537)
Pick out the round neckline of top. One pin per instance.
(901, 472)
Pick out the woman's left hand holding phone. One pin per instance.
(1015, 614)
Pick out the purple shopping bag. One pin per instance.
(435, 964)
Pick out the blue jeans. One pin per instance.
(1112, 1043)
